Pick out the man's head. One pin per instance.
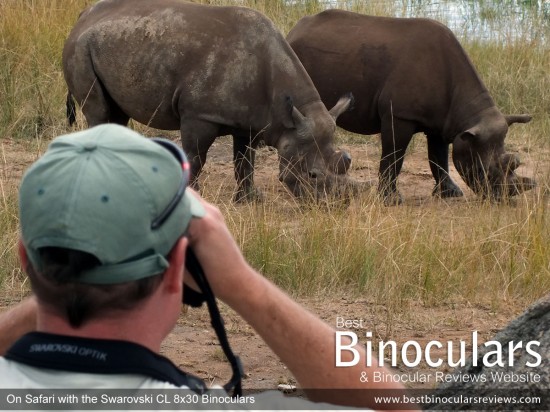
(92, 219)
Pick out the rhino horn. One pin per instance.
(509, 162)
(515, 184)
(517, 118)
(527, 183)
(520, 184)
(341, 161)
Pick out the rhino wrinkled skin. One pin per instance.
(207, 71)
(408, 76)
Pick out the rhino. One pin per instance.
(411, 75)
(207, 71)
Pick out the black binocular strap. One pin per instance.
(194, 267)
(98, 356)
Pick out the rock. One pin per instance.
(525, 374)
(286, 388)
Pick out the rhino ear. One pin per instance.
(302, 124)
(470, 134)
(509, 162)
(293, 118)
(517, 118)
(344, 104)
(288, 113)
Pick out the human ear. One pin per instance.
(23, 258)
(173, 277)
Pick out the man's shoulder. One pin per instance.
(15, 375)
(10, 374)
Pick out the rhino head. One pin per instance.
(481, 160)
(309, 165)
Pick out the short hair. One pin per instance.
(56, 285)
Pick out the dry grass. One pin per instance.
(438, 253)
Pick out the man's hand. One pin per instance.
(218, 253)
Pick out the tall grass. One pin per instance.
(12, 281)
(32, 89)
(11, 277)
(517, 76)
(436, 253)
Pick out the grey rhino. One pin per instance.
(411, 75)
(207, 71)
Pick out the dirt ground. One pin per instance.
(193, 344)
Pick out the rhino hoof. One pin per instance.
(447, 190)
(392, 199)
(248, 196)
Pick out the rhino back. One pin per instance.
(166, 59)
(414, 68)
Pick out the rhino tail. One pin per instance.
(71, 109)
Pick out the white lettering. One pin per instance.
(534, 354)
(428, 349)
(349, 348)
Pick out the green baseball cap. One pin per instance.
(98, 191)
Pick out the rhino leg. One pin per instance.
(396, 135)
(196, 139)
(99, 107)
(244, 151)
(438, 156)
